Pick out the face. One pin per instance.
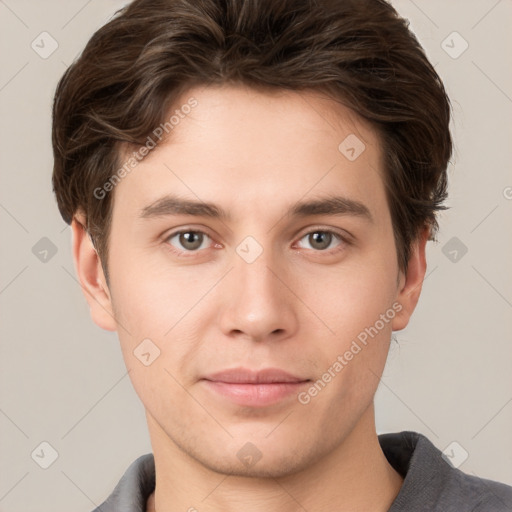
(263, 313)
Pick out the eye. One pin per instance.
(321, 239)
(192, 241)
(188, 240)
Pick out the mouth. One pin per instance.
(254, 388)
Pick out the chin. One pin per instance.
(275, 468)
(257, 459)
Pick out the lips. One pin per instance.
(246, 376)
(252, 388)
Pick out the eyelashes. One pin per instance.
(190, 242)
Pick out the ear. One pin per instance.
(410, 283)
(90, 274)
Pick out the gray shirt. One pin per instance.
(430, 483)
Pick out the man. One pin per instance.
(251, 187)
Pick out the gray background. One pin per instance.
(63, 380)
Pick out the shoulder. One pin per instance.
(431, 483)
(133, 490)
(480, 494)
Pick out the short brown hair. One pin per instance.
(360, 52)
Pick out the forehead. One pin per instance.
(249, 147)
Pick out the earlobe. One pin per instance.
(90, 275)
(410, 283)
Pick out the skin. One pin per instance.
(296, 307)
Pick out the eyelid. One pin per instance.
(186, 229)
(341, 233)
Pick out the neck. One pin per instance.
(355, 476)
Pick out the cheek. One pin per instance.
(350, 362)
(151, 296)
(357, 303)
(351, 298)
(158, 332)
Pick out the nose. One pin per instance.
(258, 302)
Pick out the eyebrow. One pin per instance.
(331, 205)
